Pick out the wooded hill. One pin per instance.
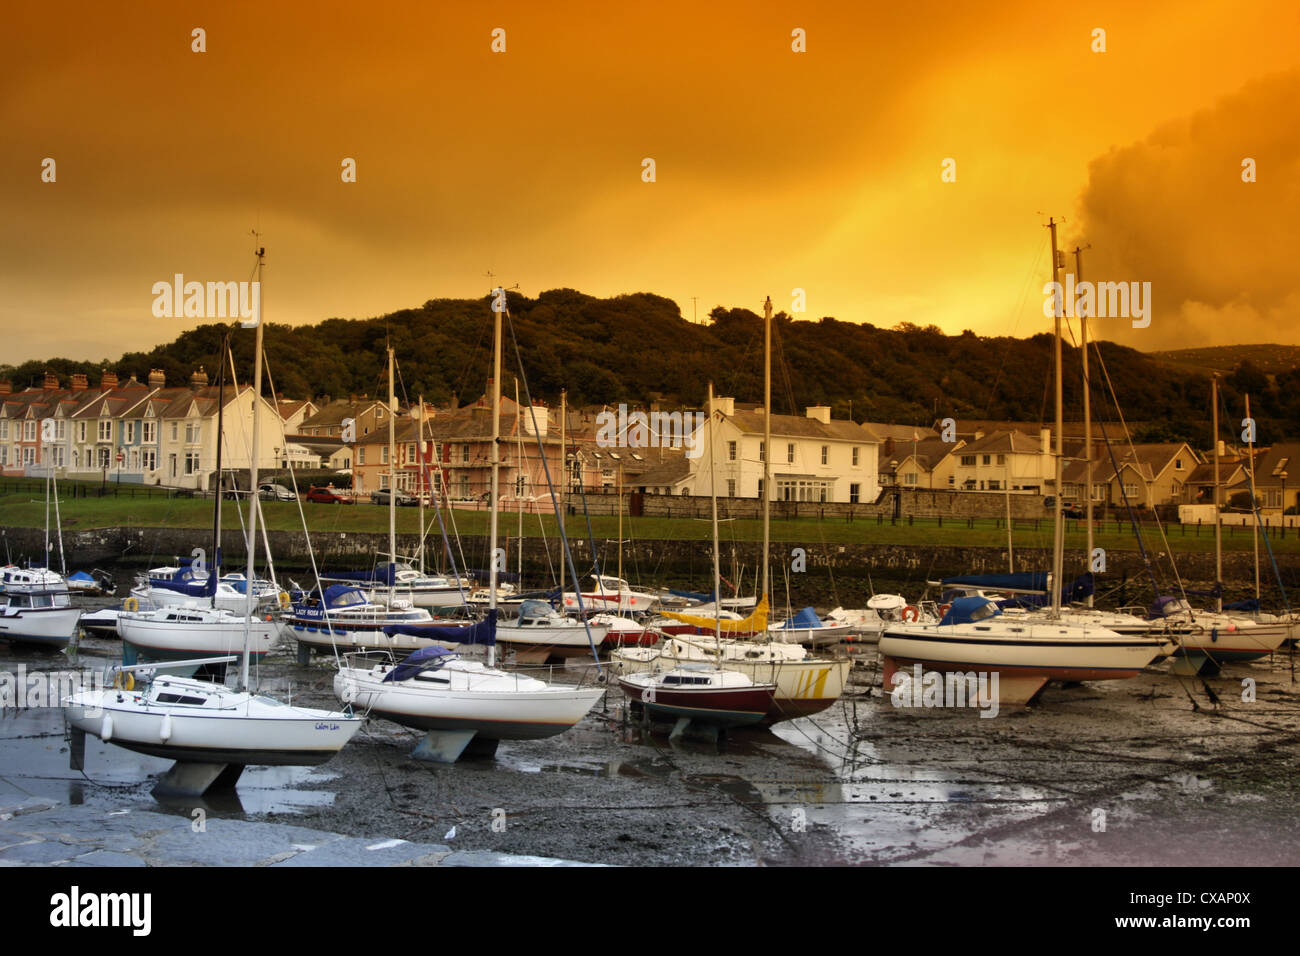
(638, 349)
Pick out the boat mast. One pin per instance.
(717, 569)
(1218, 527)
(767, 438)
(216, 511)
(252, 475)
(392, 483)
(421, 482)
(564, 462)
(1087, 418)
(519, 474)
(620, 537)
(1254, 524)
(494, 390)
(1058, 531)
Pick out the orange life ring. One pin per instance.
(943, 609)
(911, 614)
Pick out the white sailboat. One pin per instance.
(804, 684)
(974, 636)
(466, 706)
(210, 730)
(36, 608)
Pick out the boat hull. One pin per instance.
(164, 640)
(493, 715)
(715, 706)
(52, 627)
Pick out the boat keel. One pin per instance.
(187, 779)
(448, 746)
(1194, 664)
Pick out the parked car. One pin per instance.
(273, 492)
(1071, 510)
(329, 495)
(404, 500)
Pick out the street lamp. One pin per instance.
(1283, 477)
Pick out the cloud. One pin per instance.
(1174, 211)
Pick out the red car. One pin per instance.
(329, 495)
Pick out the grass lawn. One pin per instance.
(22, 505)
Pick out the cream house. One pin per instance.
(814, 458)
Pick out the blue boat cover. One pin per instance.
(1078, 590)
(1250, 604)
(534, 609)
(805, 618)
(81, 576)
(343, 595)
(187, 581)
(693, 595)
(484, 632)
(967, 610)
(426, 658)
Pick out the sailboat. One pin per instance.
(178, 625)
(974, 635)
(35, 603)
(804, 684)
(212, 731)
(702, 695)
(344, 617)
(466, 706)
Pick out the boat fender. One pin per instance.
(943, 609)
(124, 681)
(284, 599)
(106, 729)
(165, 731)
(349, 694)
(911, 614)
(1214, 635)
(130, 604)
(1232, 628)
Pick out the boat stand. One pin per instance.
(447, 746)
(685, 727)
(304, 654)
(187, 779)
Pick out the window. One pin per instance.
(410, 452)
(29, 455)
(1130, 490)
(383, 454)
(789, 453)
(731, 487)
(968, 460)
(129, 428)
(172, 460)
(995, 485)
(521, 485)
(826, 451)
(193, 433)
(760, 489)
(988, 459)
(1178, 464)
(104, 452)
(909, 478)
(105, 429)
(29, 431)
(149, 432)
(135, 459)
(464, 454)
(81, 431)
(150, 459)
(855, 456)
(4, 429)
(854, 488)
(1002, 459)
(191, 463)
(61, 430)
(4, 456)
(762, 454)
(731, 451)
(175, 427)
(361, 454)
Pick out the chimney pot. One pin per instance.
(80, 383)
(108, 380)
(157, 378)
(199, 379)
(51, 381)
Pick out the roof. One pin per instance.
(796, 426)
(1006, 443)
(1272, 462)
(928, 452)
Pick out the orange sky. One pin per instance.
(775, 169)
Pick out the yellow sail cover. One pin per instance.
(756, 623)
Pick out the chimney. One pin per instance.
(80, 383)
(199, 379)
(51, 381)
(821, 413)
(1045, 436)
(455, 401)
(6, 387)
(157, 378)
(108, 380)
(1222, 448)
(542, 415)
(725, 404)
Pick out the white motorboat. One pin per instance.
(1220, 637)
(807, 628)
(541, 630)
(36, 608)
(610, 593)
(175, 632)
(346, 621)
